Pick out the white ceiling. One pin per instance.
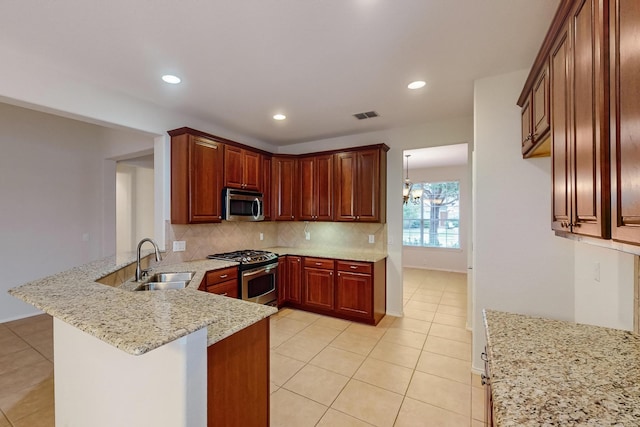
(317, 61)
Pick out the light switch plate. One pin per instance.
(179, 246)
(372, 238)
(307, 235)
(261, 236)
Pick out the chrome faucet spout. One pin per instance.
(158, 257)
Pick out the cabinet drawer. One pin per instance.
(228, 288)
(224, 274)
(323, 263)
(355, 267)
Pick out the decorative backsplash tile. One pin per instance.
(205, 239)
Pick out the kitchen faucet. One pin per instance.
(139, 272)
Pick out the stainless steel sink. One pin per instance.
(172, 277)
(161, 286)
(164, 281)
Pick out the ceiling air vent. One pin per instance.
(367, 115)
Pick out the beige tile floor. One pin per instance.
(410, 371)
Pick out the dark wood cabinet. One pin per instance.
(316, 188)
(265, 188)
(222, 282)
(345, 289)
(535, 118)
(624, 33)
(318, 283)
(242, 168)
(354, 289)
(238, 379)
(575, 52)
(196, 179)
(360, 185)
(285, 187)
(289, 280)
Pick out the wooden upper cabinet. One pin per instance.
(360, 185)
(316, 188)
(624, 33)
(284, 185)
(535, 118)
(589, 147)
(265, 188)
(242, 168)
(196, 179)
(560, 112)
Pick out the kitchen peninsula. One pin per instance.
(140, 358)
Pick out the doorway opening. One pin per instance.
(134, 202)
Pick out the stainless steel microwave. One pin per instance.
(242, 205)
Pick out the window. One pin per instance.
(434, 221)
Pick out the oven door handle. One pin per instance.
(254, 273)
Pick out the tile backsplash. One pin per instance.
(205, 239)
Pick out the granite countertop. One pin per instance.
(138, 322)
(348, 255)
(556, 373)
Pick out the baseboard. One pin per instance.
(477, 371)
(422, 267)
(394, 314)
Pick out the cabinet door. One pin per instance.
(284, 185)
(318, 288)
(227, 289)
(625, 126)
(368, 186)
(206, 181)
(589, 129)
(307, 173)
(266, 188)
(354, 294)
(233, 167)
(324, 188)
(345, 186)
(282, 280)
(525, 122)
(293, 287)
(560, 164)
(540, 106)
(252, 170)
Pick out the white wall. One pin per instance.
(134, 205)
(445, 132)
(58, 197)
(607, 301)
(439, 258)
(519, 265)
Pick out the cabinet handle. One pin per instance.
(318, 263)
(223, 276)
(291, 216)
(224, 295)
(354, 267)
(331, 273)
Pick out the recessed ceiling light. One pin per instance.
(279, 117)
(416, 85)
(174, 80)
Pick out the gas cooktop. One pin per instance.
(246, 256)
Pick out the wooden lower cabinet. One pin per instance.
(318, 283)
(238, 379)
(345, 289)
(222, 282)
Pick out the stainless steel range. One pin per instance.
(257, 274)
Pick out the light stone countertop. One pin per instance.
(555, 373)
(138, 322)
(348, 255)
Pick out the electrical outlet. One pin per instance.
(372, 238)
(307, 235)
(261, 236)
(179, 246)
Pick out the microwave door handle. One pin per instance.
(256, 208)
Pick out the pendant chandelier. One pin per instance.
(410, 192)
